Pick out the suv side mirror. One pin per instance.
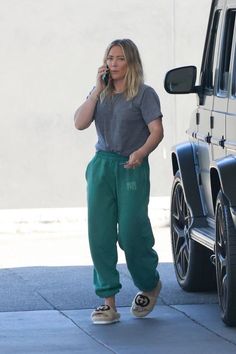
(181, 80)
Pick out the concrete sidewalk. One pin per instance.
(168, 330)
(47, 310)
(46, 297)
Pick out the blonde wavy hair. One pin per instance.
(134, 75)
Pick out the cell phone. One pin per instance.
(105, 77)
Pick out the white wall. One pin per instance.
(50, 51)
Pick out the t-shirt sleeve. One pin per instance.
(150, 105)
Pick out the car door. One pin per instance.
(223, 89)
(205, 110)
(230, 126)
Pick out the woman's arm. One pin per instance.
(154, 139)
(84, 114)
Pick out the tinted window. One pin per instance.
(208, 72)
(226, 53)
(233, 88)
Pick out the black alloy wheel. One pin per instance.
(180, 216)
(225, 260)
(193, 269)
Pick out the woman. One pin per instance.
(128, 121)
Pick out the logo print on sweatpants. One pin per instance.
(131, 186)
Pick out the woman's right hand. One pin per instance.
(84, 114)
(100, 85)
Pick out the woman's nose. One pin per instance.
(114, 62)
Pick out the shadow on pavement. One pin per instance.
(70, 288)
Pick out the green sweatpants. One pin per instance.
(118, 212)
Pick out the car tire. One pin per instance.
(193, 268)
(225, 260)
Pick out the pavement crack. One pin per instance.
(76, 324)
(202, 325)
(87, 333)
(34, 289)
(46, 300)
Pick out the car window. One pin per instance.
(208, 76)
(207, 80)
(226, 53)
(233, 85)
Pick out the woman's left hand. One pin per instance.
(135, 160)
(155, 137)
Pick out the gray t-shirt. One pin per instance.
(122, 125)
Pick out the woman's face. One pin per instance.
(117, 63)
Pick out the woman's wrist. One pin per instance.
(142, 152)
(94, 95)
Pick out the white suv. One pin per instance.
(203, 201)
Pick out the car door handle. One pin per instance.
(222, 142)
(208, 138)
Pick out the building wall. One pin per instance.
(50, 51)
